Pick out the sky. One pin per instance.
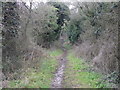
(75, 0)
(65, 0)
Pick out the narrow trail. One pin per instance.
(57, 81)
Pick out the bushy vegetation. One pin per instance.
(45, 25)
(74, 31)
(99, 21)
(41, 77)
(88, 29)
(53, 16)
(10, 37)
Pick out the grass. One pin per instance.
(77, 75)
(42, 77)
(54, 53)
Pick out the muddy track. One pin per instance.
(57, 81)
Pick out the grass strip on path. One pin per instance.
(77, 74)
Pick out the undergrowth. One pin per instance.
(40, 78)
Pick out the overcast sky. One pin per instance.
(65, 0)
(76, 0)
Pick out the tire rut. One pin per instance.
(57, 81)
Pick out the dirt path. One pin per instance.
(57, 81)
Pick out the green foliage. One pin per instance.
(45, 28)
(93, 13)
(62, 12)
(53, 15)
(74, 31)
